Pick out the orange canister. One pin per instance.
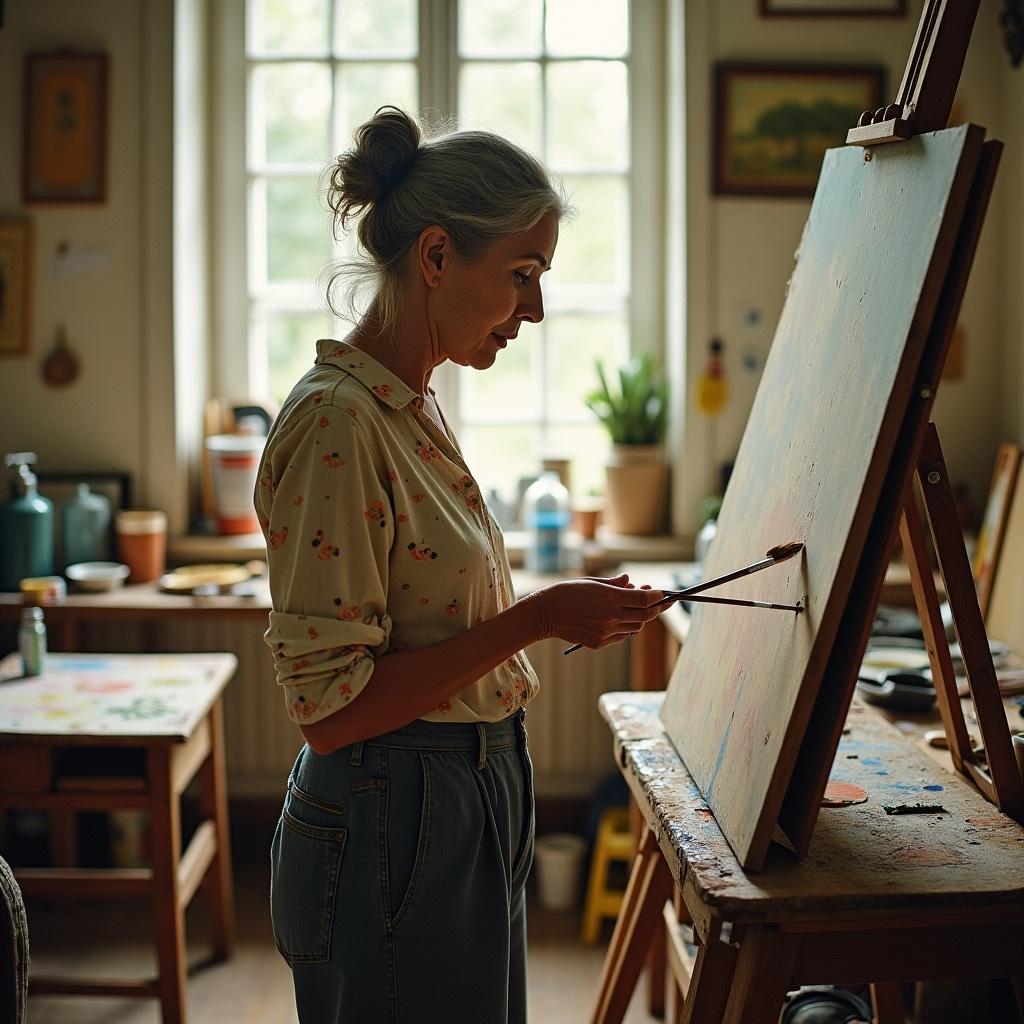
(142, 542)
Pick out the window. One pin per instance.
(554, 76)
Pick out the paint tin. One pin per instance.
(1018, 750)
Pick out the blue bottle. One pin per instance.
(26, 526)
(85, 527)
(546, 508)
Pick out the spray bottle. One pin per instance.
(26, 526)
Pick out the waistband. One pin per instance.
(466, 737)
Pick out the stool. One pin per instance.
(614, 842)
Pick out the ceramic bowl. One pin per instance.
(96, 576)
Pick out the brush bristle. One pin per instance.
(783, 551)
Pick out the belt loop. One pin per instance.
(481, 731)
(357, 754)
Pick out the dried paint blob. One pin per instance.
(843, 794)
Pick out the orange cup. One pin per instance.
(142, 542)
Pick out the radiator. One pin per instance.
(569, 741)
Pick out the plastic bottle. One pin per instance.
(85, 527)
(546, 507)
(26, 526)
(32, 641)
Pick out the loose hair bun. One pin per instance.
(385, 149)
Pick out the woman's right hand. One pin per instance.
(596, 611)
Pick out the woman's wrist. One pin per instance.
(539, 616)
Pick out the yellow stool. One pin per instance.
(614, 842)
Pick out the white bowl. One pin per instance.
(97, 575)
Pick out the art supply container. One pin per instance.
(142, 542)
(235, 459)
(43, 590)
(32, 641)
(1018, 750)
(85, 527)
(26, 526)
(559, 859)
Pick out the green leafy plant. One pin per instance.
(636, 412)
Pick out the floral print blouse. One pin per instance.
(378, 540)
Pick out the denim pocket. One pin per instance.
(304, 867)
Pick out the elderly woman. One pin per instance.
(399, 861)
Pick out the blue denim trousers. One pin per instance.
(397, 877)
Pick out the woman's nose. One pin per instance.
(532, 309)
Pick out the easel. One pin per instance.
(758, 964)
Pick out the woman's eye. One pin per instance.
(522, 278)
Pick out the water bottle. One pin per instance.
(85, 527)
(32, 641)
(546, 505)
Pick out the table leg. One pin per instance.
(650, 884)
(763, 976)
(213, 803)
(710, 981)
(887, 1002)
(165, 855)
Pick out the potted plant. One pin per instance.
(635, 413)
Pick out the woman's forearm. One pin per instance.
(408, 684)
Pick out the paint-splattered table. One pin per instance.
(880, 898)
(150, 723)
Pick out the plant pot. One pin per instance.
(636, 478)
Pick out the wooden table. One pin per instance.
(168, 707)
(879, 898)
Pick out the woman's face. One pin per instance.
(479, 306)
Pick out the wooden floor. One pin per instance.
(254, 987)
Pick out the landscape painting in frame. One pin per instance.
(773, 123)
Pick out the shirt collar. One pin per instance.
(377, 379)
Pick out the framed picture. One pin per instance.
(64, 149)
(833, 8)
(773, 122)
(993, 526)
(15, 286)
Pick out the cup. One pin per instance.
(142, 542)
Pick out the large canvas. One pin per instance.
(825, 421)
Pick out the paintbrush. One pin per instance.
(773, 556)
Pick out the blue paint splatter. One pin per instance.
(933, 789)
(872, 762)
(881, 773)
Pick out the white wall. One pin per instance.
(740, 250)
(124, 411)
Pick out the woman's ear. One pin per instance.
(432, 254)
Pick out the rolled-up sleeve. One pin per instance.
(329, 524)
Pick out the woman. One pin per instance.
(399, 861)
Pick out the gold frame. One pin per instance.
(15, 287)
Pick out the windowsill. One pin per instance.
(616, 548)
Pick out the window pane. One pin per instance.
(362, 88)
(384, 27)
(587, 114)
(288, 26)
(594, 248)
(502, 98)
(291, 347)
(290, 113)
(587, 448)
(509, 388)
(500, 28)
(592, 28)
(298, 230)
(575, 342)
(500, 456)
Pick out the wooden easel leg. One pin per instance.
(712, 976)
(763, 976)
(887, 1002)
(656, 975)
(1018, 991)
(165, 855)
(213, 803)
(650, 884)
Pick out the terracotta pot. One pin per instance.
(636, 477)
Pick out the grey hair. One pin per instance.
(398, 179)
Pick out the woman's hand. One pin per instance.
(596, 611)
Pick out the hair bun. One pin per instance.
(385, 148)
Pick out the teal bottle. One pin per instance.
(85, 527)
(26, 526)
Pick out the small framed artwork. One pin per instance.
(64, 148)
(833, 8)
(993, 526)
(15, 286)
(773, 122)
